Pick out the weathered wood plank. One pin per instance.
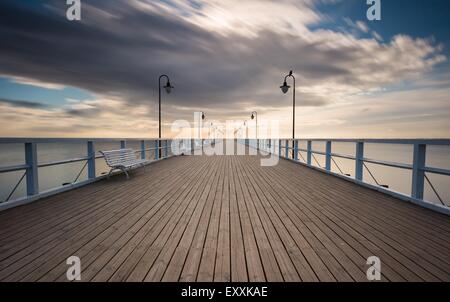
(223, 218)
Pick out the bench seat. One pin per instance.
(123, 159)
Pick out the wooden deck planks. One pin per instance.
(109, 225)
(366, 229)
(222, 271)
(189, 259)
(223, 218)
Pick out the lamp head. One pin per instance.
(203, 116)
(285, 87)
(253, 116)
(168, 87)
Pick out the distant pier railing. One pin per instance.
(289, 149)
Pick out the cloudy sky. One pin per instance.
(98, 77)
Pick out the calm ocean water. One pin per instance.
(397, 179)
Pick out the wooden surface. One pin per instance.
(223, 218)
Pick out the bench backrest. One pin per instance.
(119, 157)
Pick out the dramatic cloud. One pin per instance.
(224, 57)
(22, 104)
(33, 82)
(88, 118)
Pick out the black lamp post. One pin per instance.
(246, 129)
(285, 88)
(209, 130)
(199, 131)
(168, 87)
(255, 115)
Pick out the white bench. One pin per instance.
(123, 159)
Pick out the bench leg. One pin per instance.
(126, 172)
(109, 174)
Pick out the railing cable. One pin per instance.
(315, 159)
(16, 186)
(78, 176)
(434, 190)
(340, 170)
(337, 165)
(373, 177)
(300, 153)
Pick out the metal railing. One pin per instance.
(284, 148)
(289, 149)
(31, 165)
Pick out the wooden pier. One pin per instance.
(223, 218)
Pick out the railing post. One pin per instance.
(328, 156)
(279, 148)
(309, 153)
(143, 150)
(91, 159)
(287, 149)
(359, 161)
(32, 170)
(156, 149)
(296, 150)
(123, 144)
(418, 175)
(166, 149)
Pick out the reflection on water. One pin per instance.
(397, 179)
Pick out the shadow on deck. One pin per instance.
(223, 218)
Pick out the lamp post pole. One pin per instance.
(246, 130)
(209, 130)
(255, 115)
(168, 89)
(199, 129)
(285, 89)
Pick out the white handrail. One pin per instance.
(31, 164)
(283, 148)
